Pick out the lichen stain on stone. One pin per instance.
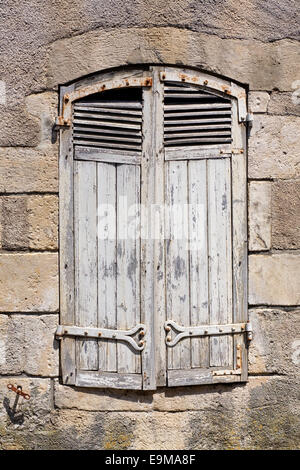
(273, 427)
(118, 434)
(215, 430)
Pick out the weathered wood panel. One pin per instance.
(107, 267)
(128, 262)
(177, 259)
(108, 380)
(85, 210)
(197, 178)
(220, 257)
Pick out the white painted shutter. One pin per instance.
(205, 181)
(109, 327)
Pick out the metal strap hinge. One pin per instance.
(204, 330)
(61, 123)
(102, 333)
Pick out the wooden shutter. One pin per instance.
(168, 306)
(103, 336)
(205, 268)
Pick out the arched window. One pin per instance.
(153, 232)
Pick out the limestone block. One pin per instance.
(29, 282)
(29, 222)
(259, 216)
(286, 215)
(30, 416)
(101, 400)
(274, 147)
(28, 345)
(285, 103)
(28, 170)
(44, 108)
(274, 347)
(263, 66)
(274, 279)
(258, 101)
(17, 128)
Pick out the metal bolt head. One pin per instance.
(167, 328)
(169, 338)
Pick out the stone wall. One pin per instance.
(47, 44)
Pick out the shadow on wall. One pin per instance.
(15, 416)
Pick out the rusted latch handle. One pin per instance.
(18, 391)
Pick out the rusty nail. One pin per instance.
(205, 82)
(168, 338)
(65, 332)
(142, 333)
(85, 333)
(66, 98)
(99, 334)
(163, 76)
(167, 328)
(141, 343)
(205, 332)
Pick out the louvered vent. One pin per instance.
(194, 117)
(111, 120)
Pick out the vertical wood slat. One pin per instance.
(239, 235)
(85, 210)
(107, 283)
(159, 278)
(220, 257)
(177, 260)
(66, 249)
(148, 304)
(198, 259)
(128, 263)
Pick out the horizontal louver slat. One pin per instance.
(108, 124)
(194, 117)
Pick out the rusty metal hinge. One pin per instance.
(204, 330)
(103, 333)
(61, 123)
